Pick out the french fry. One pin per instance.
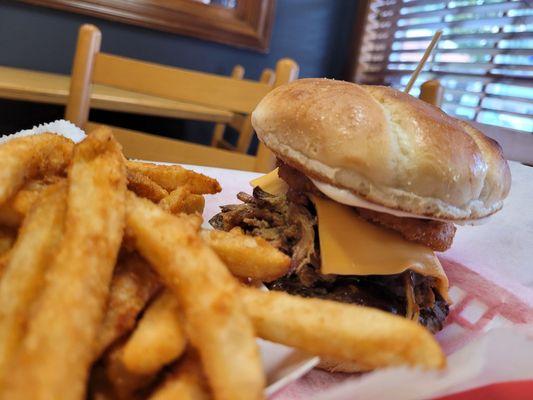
(69, 307)
(56, 353)
(28, 195)
(170, 177)
(145, 187)
(133, 285)
(208, 295)
(7, 238)
(369, 337)
(24, 273)
(332, 341)
(10, 217)
(15, 209)
(247, 256)
(99, 387)
(29, 157)
(186, 381)
(125, 384)
(182, 200)
(158, 339)
(4, 258)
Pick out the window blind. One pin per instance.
(484, 59)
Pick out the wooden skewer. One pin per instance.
(420, 65)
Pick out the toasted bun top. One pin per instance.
(385, 146)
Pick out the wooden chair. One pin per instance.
(239, 96)
(242, 123)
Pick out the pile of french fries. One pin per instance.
(110, 289)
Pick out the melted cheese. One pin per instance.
(350, 245)
(271, 183)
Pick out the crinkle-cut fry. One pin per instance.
(125, 384)
(158, 339)
(145, 187)
(170, 177)
(216, 323)
(7, 239)
(24, 273)
(30, 157)
(367, 336)
(133, 285)
(182, 200)
(186, 381)
(58, 349)
(248, 256)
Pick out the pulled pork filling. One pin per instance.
(289, 223)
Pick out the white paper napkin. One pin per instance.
(60, 127)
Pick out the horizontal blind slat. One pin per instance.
(450, 27)
(483, 95)
(499, 35)
(379, 73)
(455, 64)
(468, 50)
(478, 9)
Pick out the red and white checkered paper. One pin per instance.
(488, 339)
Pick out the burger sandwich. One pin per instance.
(370, 183)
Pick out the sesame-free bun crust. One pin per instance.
(385, 146)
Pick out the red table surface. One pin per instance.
(518, 390)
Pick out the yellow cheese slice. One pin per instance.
(271, 183)
(349, 245)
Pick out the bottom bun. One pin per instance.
(331, 364)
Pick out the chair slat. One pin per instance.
(178, 84)
(144, 146)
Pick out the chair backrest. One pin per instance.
(222, 92)
(217, 140)
(242, 124)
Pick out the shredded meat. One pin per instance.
(384, 292)
(436, 235)
(288, 226)
(291, 227)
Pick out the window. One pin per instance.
(484, 59)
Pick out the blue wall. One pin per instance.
(313, 32)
